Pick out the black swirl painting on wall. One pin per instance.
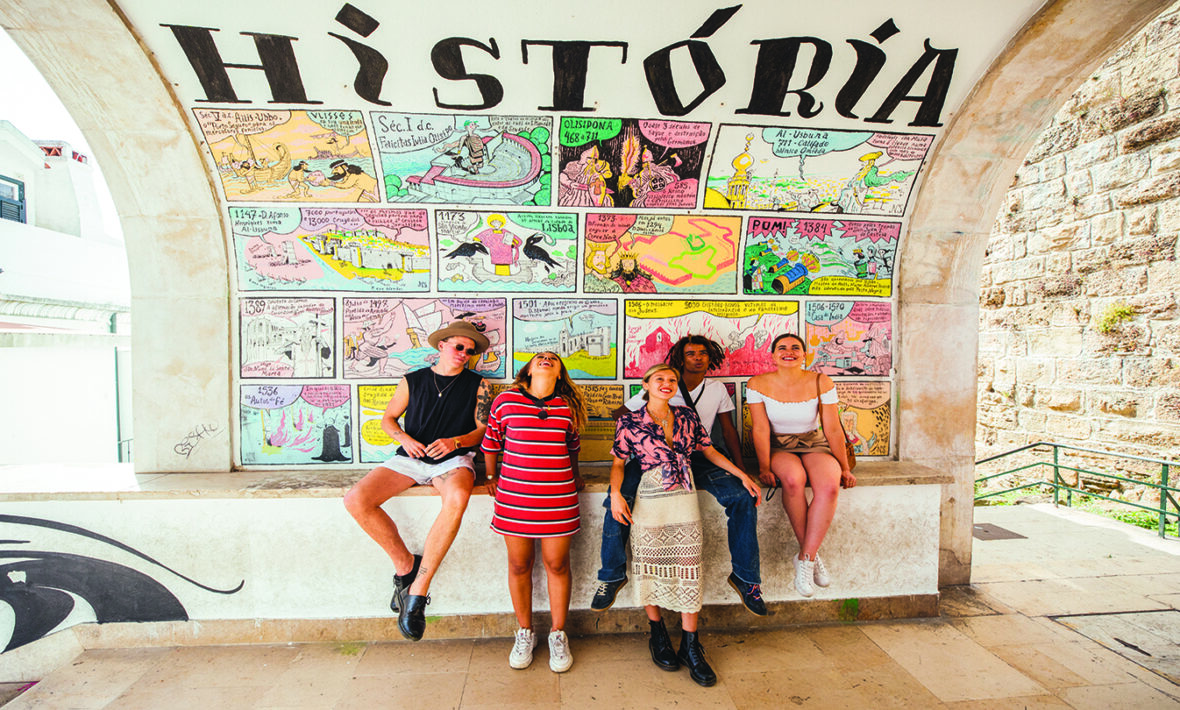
(41, 585)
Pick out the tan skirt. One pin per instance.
(808, 442)
(666, 543)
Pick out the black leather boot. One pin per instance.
(401, 585)
(412, 619)
(661, 647)
(692, 655)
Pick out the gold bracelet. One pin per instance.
(457, 444)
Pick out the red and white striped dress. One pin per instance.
(535, 494)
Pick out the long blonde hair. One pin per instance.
(564, 388)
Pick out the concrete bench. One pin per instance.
(307, 572)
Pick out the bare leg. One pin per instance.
(364, 501)
(688, 621)
(793, 477)
(653, 612)
(521, 554)
(455, 489)
(824, 473)
(555, 553)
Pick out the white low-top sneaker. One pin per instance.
(804, 576)
(821, 573)
(560, 658)
(522, 650)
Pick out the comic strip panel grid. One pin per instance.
(604, 243)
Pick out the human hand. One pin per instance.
(412, 446)
(619, 509)
(847, 480)
(579, 483)
(753, 489)
(440, 447)
(768, 479)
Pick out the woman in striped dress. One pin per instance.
(535, 424)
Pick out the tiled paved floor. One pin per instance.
(997, 645)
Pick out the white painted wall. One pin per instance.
(58, 404)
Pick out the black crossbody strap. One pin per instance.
(688, 398)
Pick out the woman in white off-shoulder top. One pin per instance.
(785, 408)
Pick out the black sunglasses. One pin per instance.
(772, 490)
(461, 348)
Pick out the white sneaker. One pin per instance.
(804, 576)
(821, 573)
(522, 650)
(560, 658)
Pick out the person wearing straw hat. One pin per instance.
(445, 408)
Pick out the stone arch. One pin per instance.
(170, 216)
(943, 252)
(169, 213)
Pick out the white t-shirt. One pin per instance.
(713, 401)
(792, 417)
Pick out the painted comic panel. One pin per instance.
(374, 249)
(679, 254)
(506, 251)
(263, 155)
(582, 331)
(775, 169)
(599, 434)
(820, 257)
(630, 163)
(465, 159)
(295, 424)
(866, 413)
(288, 337)
(376, 446)
(384, 338)
(850, 337)
(743, 329)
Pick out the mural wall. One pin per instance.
(737, 172)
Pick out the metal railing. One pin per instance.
(125, 450)
(1167, 492)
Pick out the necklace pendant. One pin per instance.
(440, 395)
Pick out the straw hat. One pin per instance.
(459, 328)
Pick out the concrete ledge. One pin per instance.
(714, 618)
(106, 484)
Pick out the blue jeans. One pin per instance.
(728, 490)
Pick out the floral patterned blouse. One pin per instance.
(638, 435)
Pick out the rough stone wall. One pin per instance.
(1079, 325)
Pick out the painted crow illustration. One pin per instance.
(532, 251)
(467, 250)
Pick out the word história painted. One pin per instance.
(792, 67)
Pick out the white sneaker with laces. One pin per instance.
(560, 658)
(804, 576)
(821, 573)
(522, 650)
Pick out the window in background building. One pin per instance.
(12, 199)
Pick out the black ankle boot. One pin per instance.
(661, 647)
(692, 655)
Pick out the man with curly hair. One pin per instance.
(693, 356)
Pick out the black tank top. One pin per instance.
(431, 416)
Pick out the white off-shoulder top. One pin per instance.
(792, 417)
